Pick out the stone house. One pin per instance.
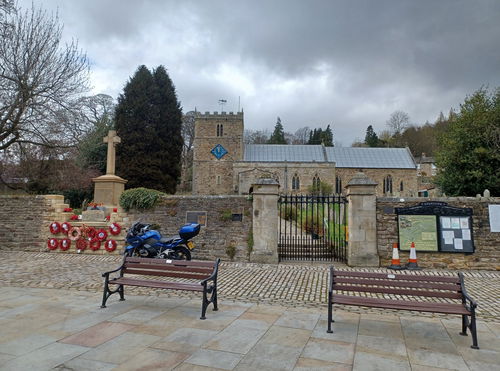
(223, 164)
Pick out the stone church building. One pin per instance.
(223, 164)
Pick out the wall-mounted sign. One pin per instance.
(435, 226)
(199, 217)
(494, 213)
(421, 229)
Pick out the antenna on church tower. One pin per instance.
(221, 103)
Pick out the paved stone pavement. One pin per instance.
(291, 285)
(60, 329)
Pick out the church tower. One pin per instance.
(218, 143)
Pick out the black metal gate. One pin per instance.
(312, 228)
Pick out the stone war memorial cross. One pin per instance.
(112, 139)
(109, 187)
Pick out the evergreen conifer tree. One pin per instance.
(278, 135)
(327, 137)
(371, 138)
(148, 121)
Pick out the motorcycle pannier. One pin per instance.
(188, 231)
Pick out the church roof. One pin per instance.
(380, 158)
(282, 153)
(344, 157)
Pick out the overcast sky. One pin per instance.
(312, 63)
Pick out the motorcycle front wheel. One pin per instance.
(183, 253)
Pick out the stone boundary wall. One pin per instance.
(24, 222)
(219, 232)
(487, 244)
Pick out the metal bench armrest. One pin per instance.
(213, 276)
(115, 270)
(465, 295)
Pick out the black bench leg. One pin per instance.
(121, 292)
(106, 293)
(473, 331)
(465, 323)
(330, 304)
(214, 299)
(204, 305)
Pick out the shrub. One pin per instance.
(140, 198)
(231, 251)
(249, 243)
(226, 215)
(75, 197)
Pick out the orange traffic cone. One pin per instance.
(412, 261)
(395, 263)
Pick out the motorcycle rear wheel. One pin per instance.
(183, 253)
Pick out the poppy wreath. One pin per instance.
(55, 228)
(52, 243)
(94, 244)
(65, 227)
(90, 232)
(64, 244)
(115, 229)
(110, 245)
(74, 234)
(81, 244)
(101, 234)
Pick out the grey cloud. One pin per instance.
(350, 63)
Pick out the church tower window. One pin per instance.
(295, 183)
(388, 184)
(338, 185)
(401, 188)
(220, 130)
(218, 180)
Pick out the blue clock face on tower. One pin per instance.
(218, 151)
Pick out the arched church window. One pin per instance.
(401, 188)
(295, 182)
(388, 184)
(338, 185)
(316, 182)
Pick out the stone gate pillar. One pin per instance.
(265, 221)
(362, 222)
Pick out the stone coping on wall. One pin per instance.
(437, 199)
(205, 196)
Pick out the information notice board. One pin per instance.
(435, 226)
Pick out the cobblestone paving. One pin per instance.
(293, 285)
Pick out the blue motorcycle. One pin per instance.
(145, 242)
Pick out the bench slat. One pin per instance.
(406, 277)
(396, 283)
(145, 272)
(396, 291)
(180, 263)
(157, 284)
(167, 267)
(448, 308)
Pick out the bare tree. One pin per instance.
(398, 122)
(40, 80)
(256, 136)
(302, 135)
(187, 131)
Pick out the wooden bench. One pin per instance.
(406, 287)
(133, 269)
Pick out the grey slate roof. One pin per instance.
(344, 157)
(282, 153)
(380, 158)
